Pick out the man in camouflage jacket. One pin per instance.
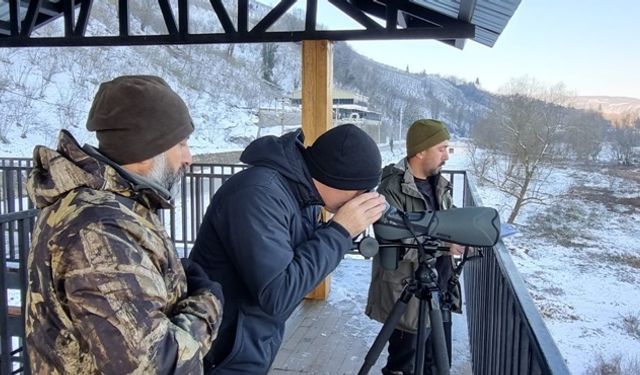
(107, 293)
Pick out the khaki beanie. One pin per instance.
(424, 134)
(138, 117)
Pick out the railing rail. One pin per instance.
(182, 222)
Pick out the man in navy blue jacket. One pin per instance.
(262, 238)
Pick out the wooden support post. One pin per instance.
(317, 102)
(317, 82)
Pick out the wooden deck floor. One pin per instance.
(332, 337)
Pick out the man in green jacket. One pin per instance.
(413, 184)
(106, 292)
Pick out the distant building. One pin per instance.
(349, 107)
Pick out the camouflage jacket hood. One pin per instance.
(57, 172)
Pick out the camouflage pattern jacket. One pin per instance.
(107, 293)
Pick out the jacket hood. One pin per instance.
(57, 172)
(391, 169)
(284, 154)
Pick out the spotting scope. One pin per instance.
(471, 226)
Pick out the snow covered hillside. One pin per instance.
(43, 90)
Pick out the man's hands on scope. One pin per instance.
(360, 212)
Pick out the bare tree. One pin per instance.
(268, 60)
(411, 112)
(23, 111)
(149, 15)
(435, 106)
(52, 67)
(516, 142)
(625, 137)
(4, 123)
(67, 111)
(585, 134)
(230, 49)
(19, 90)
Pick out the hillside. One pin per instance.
(43, 90)
(612, 108)
(404, 97)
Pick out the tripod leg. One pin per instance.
(385, 332)
(447, 333)
(438, 338)
(421, 338)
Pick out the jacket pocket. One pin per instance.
(238, 342)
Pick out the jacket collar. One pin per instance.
(145, 190)
(409, 186)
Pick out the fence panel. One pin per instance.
(13, 176)
(15, 239)
(506, 332)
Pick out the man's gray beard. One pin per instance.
(438, 170)
(162, 175)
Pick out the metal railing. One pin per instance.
(182, 222)
(13, 175)
(506, 332)
(15, 239)
(198, 185)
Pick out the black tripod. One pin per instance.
(423, 286)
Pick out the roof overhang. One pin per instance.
(450, 21)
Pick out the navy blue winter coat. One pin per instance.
(262, 240)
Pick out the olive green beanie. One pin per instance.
(424, 134)
(138, 117)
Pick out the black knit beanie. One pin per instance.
(137, 117)
(345, 158)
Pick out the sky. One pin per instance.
(591, 46)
